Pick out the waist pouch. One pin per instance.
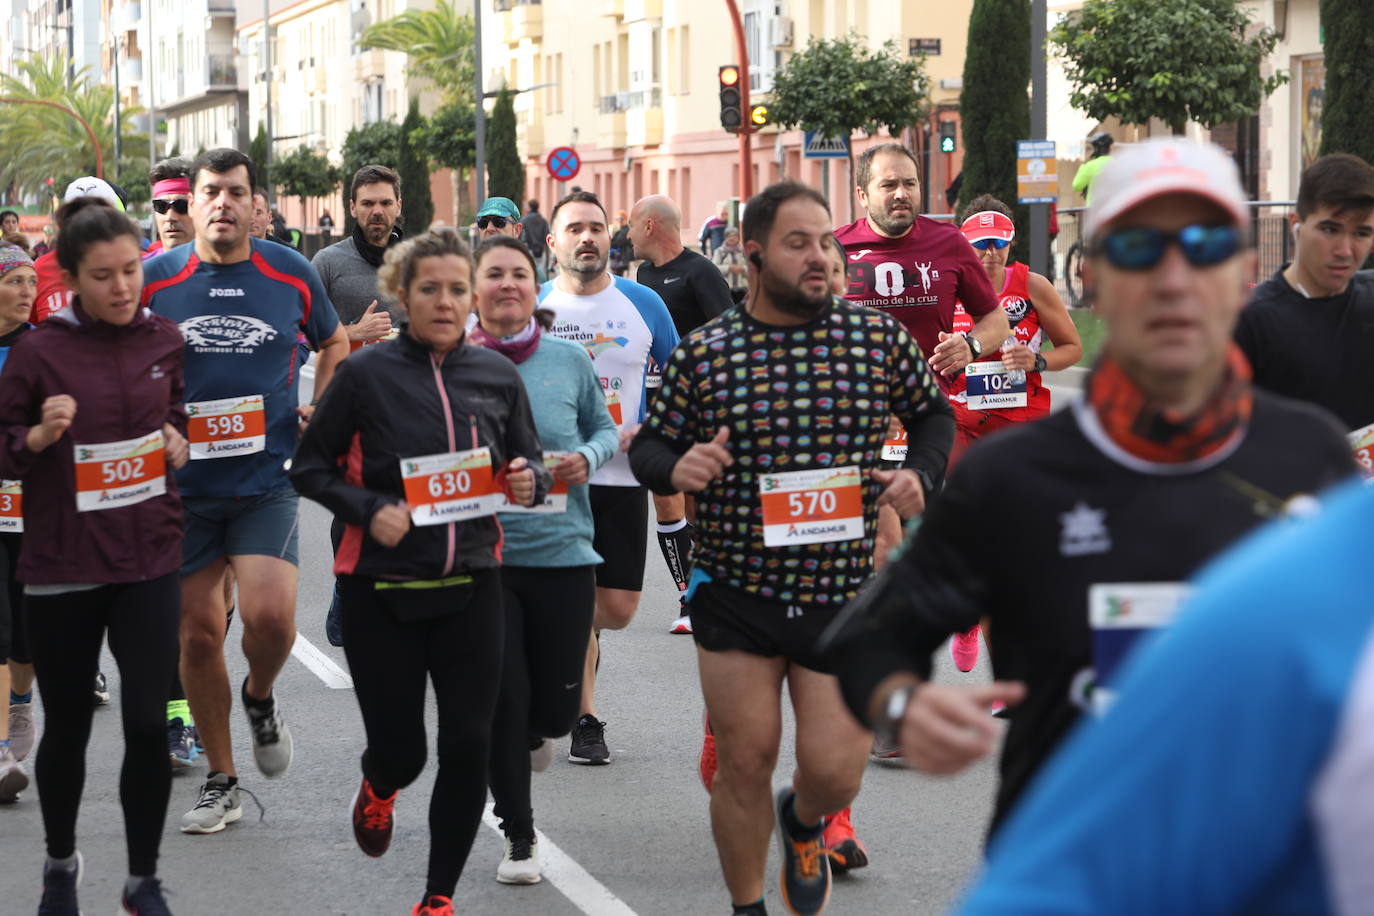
(425, 599)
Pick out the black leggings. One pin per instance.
(65, 632)
(14, 642)
(548, 622)
(390, 659)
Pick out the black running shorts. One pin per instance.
(725, 619)
(620, 518)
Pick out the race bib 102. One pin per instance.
(11, 507)
(556, 501)
(990, 386)
(812, 507)
(226, 428)
(449, 487)
(894, 449)
(114, 474)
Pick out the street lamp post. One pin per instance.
(114, 49)
(267, 88)
(479, 134)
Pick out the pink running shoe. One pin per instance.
(706, 764)
(964, 648)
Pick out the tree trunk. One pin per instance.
(463, 197)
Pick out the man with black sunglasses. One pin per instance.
(1077, 533)
(1308, 329)
(171, 183)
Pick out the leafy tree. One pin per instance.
(378, 143)
(995, 105)
(257, 151)
(449, 141)
(1346, 125)
(417, 204)
(304, 173)
(505, 170)
(43, 142)
(438, 43)
(1176, 60)
(838, 86)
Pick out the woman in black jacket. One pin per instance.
(410, 447)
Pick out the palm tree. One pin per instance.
(43, 143)
(439, 43)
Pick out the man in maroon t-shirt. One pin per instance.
(917, 268)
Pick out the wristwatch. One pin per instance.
(974, 346)
(888, 725)
(1040, 363)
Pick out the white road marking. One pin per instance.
(322, 665)
(589, 895)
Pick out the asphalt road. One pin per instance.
(634, 836)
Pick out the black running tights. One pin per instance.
(548, 622)
(65, 632)
(390, 661)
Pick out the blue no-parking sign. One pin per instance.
(563, 163)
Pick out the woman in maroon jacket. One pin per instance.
(91, 421)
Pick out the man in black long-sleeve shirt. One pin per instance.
(774, 415)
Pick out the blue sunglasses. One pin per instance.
(983, 244)
(1140, 248)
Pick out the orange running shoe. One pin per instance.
(706, 763)
(846, 851)
(964, 648)
(373, 820)
(434, 905)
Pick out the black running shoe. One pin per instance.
(805, 879)
(59, 891)
(147, 900)
(589, 743)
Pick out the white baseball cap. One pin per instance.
(90, 186)
(1168, 165)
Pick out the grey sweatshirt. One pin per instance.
(351, 282)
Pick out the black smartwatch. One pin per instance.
(1040, 363)
(974, 346)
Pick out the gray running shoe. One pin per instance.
(59, 890)
(217, 808)
(102, 689)
(272, 748)
(21, 729)
(13, 778)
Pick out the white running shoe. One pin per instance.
(272, 747)
(13, 777)
(520, 864)
(682, 626)
(217, 808)
(21, 729)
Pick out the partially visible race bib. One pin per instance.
(556, 501)
(1362, 441)
(613, 405)
(812, 507)
(990, 386)
(449, 487)
(110, 475)
(895, 449)
(226, 428)
(11, 507)
(1120, 613)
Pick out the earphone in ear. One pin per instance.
(756, 260)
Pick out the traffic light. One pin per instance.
(948, 132)
(730, 98)
(758, 115)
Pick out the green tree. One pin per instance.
(417, 204)
(304, 173)
(1346, 125)
(449, 141)
(257, 151)
(994, 106)
(438, 43)
(378, 143)
(45, 143)
(838, 86)
(1176, 60)
(505, 169)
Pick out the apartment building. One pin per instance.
(191, 73)
(632, 86)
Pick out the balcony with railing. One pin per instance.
(630, 101)
(124, 17)
(218, 8)
(221, 71)
(520, 20)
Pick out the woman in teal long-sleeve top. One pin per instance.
(548, 563)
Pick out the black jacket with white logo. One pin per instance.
(394, 401)
(1032, 518)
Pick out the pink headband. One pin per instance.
(172, 186)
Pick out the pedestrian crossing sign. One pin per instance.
(815, 146)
